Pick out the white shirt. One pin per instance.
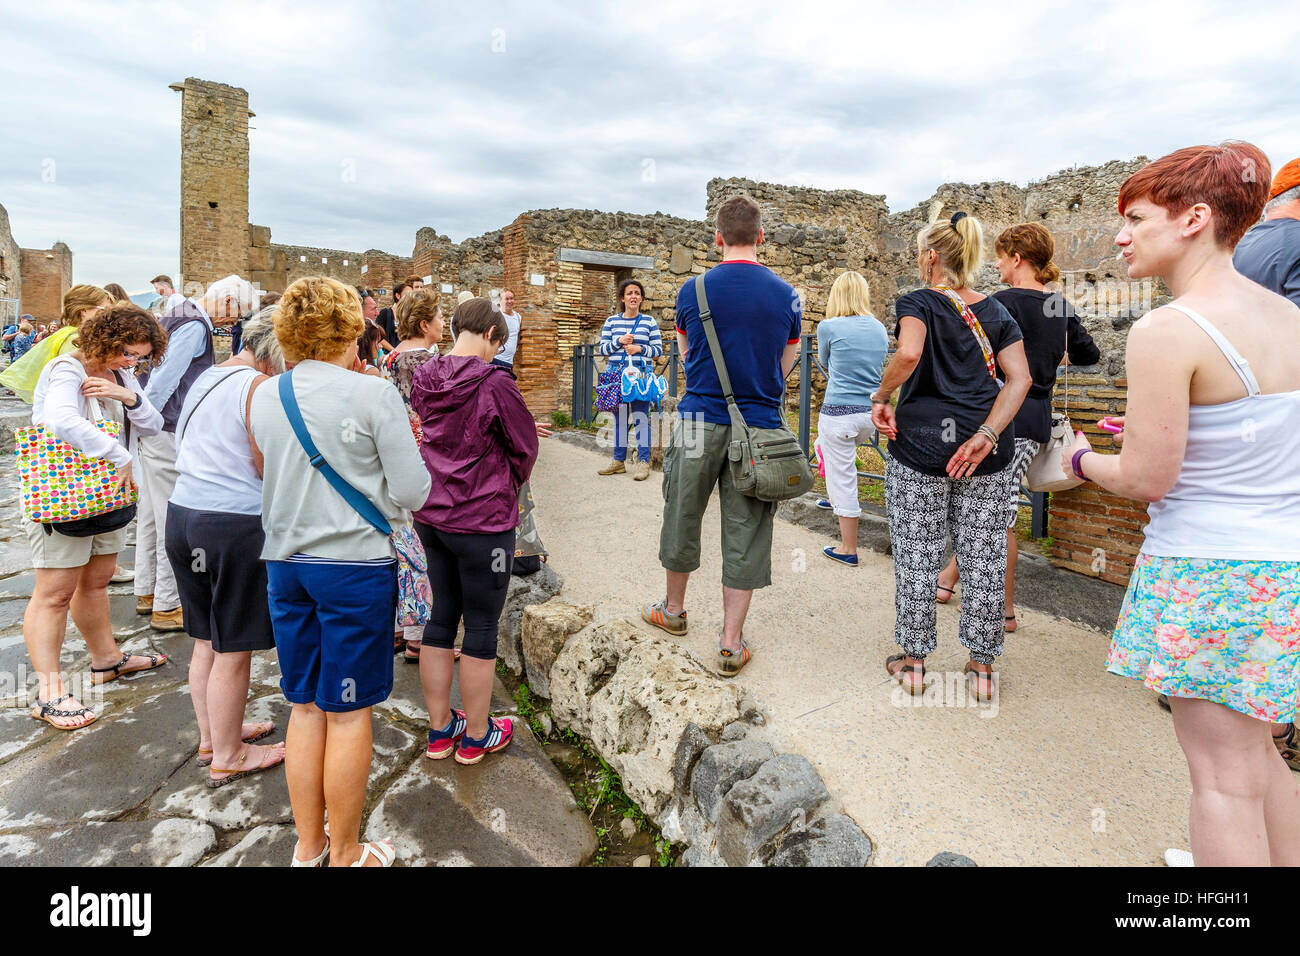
(59, 405)
(214, 458)
(513, 321)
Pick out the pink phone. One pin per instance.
(1107, 425)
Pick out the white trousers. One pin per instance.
(839, 437)
(155, 473)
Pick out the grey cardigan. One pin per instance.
(360, 426)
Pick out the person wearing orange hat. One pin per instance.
(1270, 252)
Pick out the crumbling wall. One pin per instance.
(11, 261)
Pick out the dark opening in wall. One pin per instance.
(212, 205)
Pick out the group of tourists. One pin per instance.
(280, 496)
(294, 495)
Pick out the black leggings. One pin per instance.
(469, 574)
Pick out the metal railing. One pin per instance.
(585, 375)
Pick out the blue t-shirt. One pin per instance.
(756, 315)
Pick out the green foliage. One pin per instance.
(560, 419)
(527, 709)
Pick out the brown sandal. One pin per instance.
(261, 729)
(912, 687)
(234, 774)
(989, 679)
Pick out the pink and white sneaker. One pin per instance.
(442, 743)
(501, 731)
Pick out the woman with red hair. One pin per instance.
(1212, 613)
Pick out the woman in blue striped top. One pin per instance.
(627, 334)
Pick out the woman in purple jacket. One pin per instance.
(479, 444)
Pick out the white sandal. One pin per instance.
(318, 862)
(381, 850)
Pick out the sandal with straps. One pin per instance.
(317, 861)
(262, 729)
(233, 774)
(916, 687)
(986, 678)
(155, 660)
(730, 662)
(951, 592)
(45, 709)
(382, 850)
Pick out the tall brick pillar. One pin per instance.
(538, 360)
(214, 180)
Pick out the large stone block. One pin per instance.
(261, 259)
(633, 696)
(832, 840)
(721, 767)
(543, 633)
(784, 793)
(259, 236)
(524, 591)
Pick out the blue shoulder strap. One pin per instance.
(363, 505)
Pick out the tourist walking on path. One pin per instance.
(190, 352)
(72, 573)
(628, 335)
(1048, 322)
(479, 444)
(1210, 616)
(419, 324)
(1269, 253)
(79, 304)
(946, 465)
(758, 321)
(214, 543)
(851, 346)
(513, 322)
(331, 576)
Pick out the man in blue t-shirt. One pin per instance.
(758, 321)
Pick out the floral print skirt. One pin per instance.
(1222, 630)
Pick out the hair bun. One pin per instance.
(957, 217)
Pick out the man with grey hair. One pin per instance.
(190, 351)
(1270, 253)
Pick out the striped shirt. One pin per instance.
(645, 333)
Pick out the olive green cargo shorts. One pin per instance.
(694, 462)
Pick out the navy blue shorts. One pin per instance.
(333, 628)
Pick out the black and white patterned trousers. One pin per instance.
(923, 509)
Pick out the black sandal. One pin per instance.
(951, 592)
(155, 660)
(912, 687)
(987, 693)
(45, 709)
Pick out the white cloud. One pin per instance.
(461, 117)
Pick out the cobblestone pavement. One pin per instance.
(127, 790)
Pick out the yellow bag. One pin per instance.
(21, 376)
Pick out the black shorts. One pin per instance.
(216, 557)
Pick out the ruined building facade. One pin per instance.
(32, 280)
(564, 264)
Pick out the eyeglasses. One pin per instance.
(132, 357)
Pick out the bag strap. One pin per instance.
(968, 316)
(180, 431)
(359, 502)
(706, 319)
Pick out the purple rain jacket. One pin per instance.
(480, 443)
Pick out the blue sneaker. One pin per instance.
(850, 559)
(824, 504)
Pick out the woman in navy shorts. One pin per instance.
(332, 578)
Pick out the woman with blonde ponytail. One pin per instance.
(1046, 320)
(948, 459)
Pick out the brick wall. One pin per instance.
(1093, 531)
(46, 276)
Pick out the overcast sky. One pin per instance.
(461, 116)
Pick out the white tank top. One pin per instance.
(214, 458)
(1238, 493)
